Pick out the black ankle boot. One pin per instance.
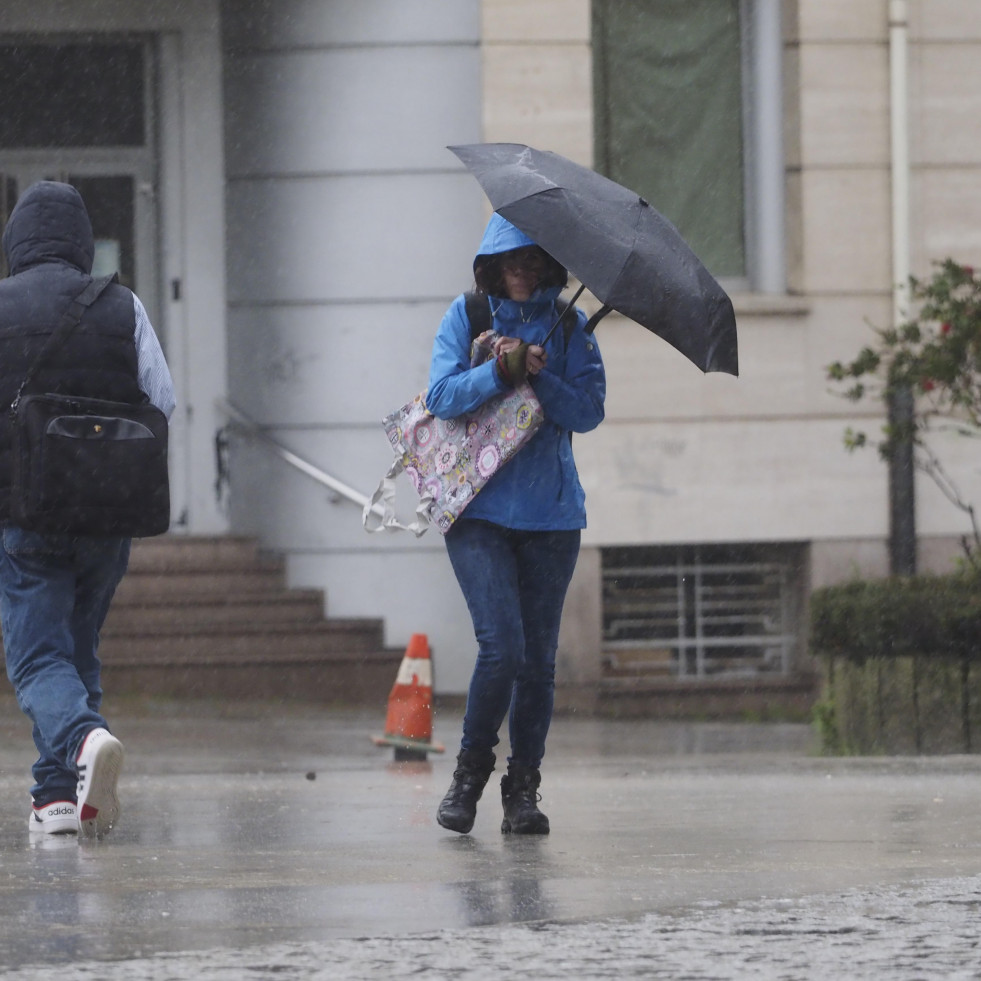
(519, 794)
(458, 809)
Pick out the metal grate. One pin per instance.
(701, 611)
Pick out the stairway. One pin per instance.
(213, 618)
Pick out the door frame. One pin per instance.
(186, 195)
(28, 166)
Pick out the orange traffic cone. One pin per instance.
(409, 723)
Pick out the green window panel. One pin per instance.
(668, 77)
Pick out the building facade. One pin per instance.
(276, 185)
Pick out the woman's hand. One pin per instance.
(535, 356)
(535, 359)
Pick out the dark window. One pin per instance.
(67, 95)
(109, 202)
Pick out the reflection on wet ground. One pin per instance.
(890, 933)
(255, 841)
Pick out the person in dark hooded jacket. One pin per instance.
(514, 548)
(55, 589)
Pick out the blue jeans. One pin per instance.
(55, 592)
(514, 583)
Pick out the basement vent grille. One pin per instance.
(702, 611)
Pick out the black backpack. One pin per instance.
(87, 466)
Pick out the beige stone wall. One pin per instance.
(538, 75)
(684, 457)
(946, 138)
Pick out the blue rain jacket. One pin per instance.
(539, 488)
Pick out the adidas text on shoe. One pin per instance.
(99, 761)
(56, 818)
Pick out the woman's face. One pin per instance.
(521, 271)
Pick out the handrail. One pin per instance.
(252, 428)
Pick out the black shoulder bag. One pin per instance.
(86, 466)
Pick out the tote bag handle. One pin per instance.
(379, 512)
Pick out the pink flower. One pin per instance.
(945, 328)
(488, 461)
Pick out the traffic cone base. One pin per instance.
(403, 742)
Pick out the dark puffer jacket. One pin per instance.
(49, 247)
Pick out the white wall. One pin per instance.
(350, 229)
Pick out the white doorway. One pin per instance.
(125, 100)
(81, 110)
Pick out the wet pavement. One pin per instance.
(264, 842)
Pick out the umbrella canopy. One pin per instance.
(629, 256)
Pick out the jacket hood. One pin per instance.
(49, 223)
(501, 236)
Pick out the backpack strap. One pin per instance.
(68, 322)
(567, 314)
(479, 315)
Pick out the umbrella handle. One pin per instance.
(590, 324)
(597, 317)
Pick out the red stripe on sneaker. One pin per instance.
(88, 812)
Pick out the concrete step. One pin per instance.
(179, 553)
(219, 584)
(163, 612)
(199, 567)
(340, 678)
(242, 643)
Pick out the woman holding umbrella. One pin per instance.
(514, 549)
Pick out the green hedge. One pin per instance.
(902, 662)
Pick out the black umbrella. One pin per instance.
(629, 256)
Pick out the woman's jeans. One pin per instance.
(514, 583)
(55, 592)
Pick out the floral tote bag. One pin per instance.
(449, 461)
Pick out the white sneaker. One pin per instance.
(57, 818)
(99, 761)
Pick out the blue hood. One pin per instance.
(501, 236)
(49, 223)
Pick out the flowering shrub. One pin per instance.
(936, 356)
